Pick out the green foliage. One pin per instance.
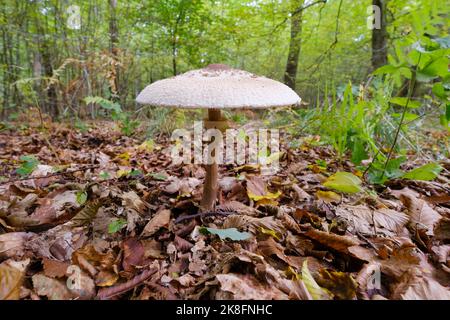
(117, 225)
(126, 124)
(426, 172)
(81, 197)
(29, 163)
(344, 182)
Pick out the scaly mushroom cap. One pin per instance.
(218, 87)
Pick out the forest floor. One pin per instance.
(103, 216)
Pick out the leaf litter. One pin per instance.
(116, 220)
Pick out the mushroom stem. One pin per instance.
(210, 187)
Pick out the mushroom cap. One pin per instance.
(218, 87)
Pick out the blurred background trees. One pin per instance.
(120, 46)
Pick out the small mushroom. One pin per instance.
(214, 88)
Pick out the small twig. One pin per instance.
(107, 293)
(48, 175)
(203, 214)
(400, 125)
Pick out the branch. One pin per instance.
(332, 45)
(297, 12)
(107, 293)
(405, 108)
(48, 175)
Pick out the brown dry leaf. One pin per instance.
(238, 207)
(426, 289)
(328, 196)
(153, 249)
(442, 229)
(341, 284)
(132, 200)
(298, 244)
(420, 213)
(80, 284)
(246, 287)
(257, 189)
(334, 241)
(133, 254)
(301, 195)
(405, 259)
(372, 222)
(12, 244)
(51, 288)
(185, 280)
(106, 278)
(12, 274)
(58, 243)
(253, 224)
(89, 259)
(270, 247)
(160, 220)
(55, 268)
(55, 205)
(181, 244)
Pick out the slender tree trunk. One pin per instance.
(52, 96)
(379, 37)
(290, 75)
(114, 42)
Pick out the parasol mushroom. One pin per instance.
(214, 88)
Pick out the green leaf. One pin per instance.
(135, 173)
(231, 233)
(29, 164)
(426, 172)
(104, 175)
(158, 176)
(81, 197)
(439, 91)
(344, 182)
(436, 68)
(358, 152)
(402, 101)
(116, 225)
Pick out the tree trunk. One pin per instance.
(114, 41)
(290, 75)
(379, 37)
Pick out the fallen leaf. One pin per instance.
(133, 254)
(373, 222)
(12, 274)
(340, 284)
(51, 288)
(334, 241)
(54, 268)
(328, 196)
(317, 293)
(420, 213)
(246, 287)
(132, 200)
(426, 289)
(257, 190)
(426, 172)
(12, 244)
(344, 182)
(160, 220)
